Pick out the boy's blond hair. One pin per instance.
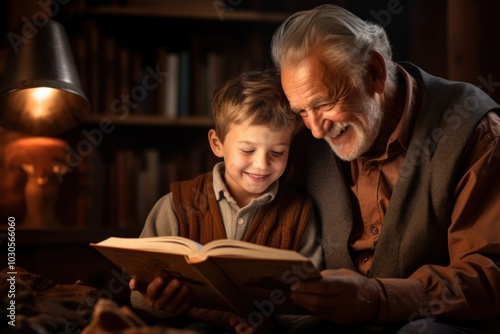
(253, 98)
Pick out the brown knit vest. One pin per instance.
(279, 223)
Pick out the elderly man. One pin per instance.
(405, 181)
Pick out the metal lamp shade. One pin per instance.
(40, 91)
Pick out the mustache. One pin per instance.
(337, 128)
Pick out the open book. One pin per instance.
(228, 275)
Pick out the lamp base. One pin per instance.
(37, 156)
(41, 198)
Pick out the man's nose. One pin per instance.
(318, 124)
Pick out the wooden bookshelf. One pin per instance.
(185, 50)
(154, 121)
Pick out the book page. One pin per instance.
(243, 249)
(164, 244)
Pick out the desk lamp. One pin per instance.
(40, 96)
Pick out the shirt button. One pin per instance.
(364, 262)
(364, 258)
(240, 221)
(374, 230)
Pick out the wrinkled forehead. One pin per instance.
(306, 70)
(312, 82)
(303, 79)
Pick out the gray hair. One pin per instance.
(345, 41)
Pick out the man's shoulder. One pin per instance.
(488, 127)
(291, 194)
(449, 89)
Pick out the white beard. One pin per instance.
(365, 132)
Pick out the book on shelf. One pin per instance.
(120, 187)
(92, 38)
(117, 77)
(126, 188)
(124, 73)
(184, 83)
(133, 178)
(108, 74)
(228, 275)
(148, 185)
(168, 92)
(90, 191)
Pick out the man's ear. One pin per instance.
(215, 143)
(377, 73)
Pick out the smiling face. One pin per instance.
(347, 118)
(255, 156)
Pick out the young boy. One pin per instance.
(239, 199)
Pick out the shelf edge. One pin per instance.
(185, 12)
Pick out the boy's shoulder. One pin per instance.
(198, 182)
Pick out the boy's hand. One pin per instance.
(170, 296)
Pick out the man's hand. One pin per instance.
(341, 296)
(169, 296)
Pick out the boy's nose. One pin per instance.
(261, 161)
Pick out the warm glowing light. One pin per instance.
(41, 101)
(38, 112)
(42, 93)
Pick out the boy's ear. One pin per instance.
(215, 143)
